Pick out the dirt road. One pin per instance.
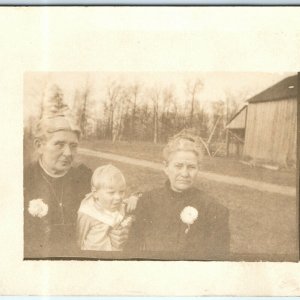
(257, 185)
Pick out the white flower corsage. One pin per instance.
(38, 208)
(188, 216)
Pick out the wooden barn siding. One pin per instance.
(271, 131)
(239, 121)
(235, 149)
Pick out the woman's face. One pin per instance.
(182, 168)
(58, 150)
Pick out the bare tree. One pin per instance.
(113, 91)
(193, 87)
(155, 97)
(83, 119)
(135, 90)
(82, 106)
(210, 143)
(121, 106)
(34, 93)
(168, 112)
(77, 105)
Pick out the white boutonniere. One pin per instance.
(188, 216)
(37, 208)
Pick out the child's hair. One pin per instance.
(106, 175)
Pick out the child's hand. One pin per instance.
(119, 236)
(131, 202)
(127, 222)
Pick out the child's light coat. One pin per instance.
(94, 225)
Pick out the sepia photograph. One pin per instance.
(160, 166)
(149, 151)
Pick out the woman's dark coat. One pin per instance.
(160, 233)
(54, 234)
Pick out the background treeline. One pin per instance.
(133, 111)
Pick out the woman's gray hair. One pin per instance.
(184, 142)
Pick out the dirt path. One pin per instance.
(257, 185)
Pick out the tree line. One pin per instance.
(137, 112)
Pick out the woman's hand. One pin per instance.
(131, 202)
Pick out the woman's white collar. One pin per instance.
(48, 173)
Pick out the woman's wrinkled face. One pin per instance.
(57, 151)
(181, 169)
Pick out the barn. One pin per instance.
(236, 133)
(265, 130)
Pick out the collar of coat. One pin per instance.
(89, 207)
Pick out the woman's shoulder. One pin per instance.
(76, 170)
(80, 177)
(156, 193)
(81, 170)
(212, 205)
(31, 167)
(30, 173)
(150, 198)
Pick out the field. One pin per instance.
(232, 167)
(263, 225)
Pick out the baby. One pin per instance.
(104, 210)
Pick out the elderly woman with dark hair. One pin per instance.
(179, 221)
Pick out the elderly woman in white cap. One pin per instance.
(179, 221)
(53, 189)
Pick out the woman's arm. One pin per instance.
(221, 227)
(210, 233)
(136, 240)
(219, 239)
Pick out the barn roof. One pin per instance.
(284, 89)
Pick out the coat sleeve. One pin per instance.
(210, 237)
(219, 243)
(136, 240)
(34, 237)
(81, 183)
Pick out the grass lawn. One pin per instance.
(260, 223)
(227, 166)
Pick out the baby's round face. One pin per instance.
(110, 196)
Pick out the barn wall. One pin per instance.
(271, 131)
